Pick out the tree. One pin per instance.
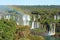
(7, 29)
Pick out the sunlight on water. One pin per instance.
(32, 25)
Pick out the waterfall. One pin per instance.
(52, 30)
(35, 25)
(55, 17)
(32, 25)
(26, 20)
(58, 17)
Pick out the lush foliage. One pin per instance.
(7, 29)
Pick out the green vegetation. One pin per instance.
(10, 31)
(35, 37)
(39, 30)
(7, 29)
(23, 33)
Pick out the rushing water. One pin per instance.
(48, 35)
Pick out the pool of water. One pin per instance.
(51, 38)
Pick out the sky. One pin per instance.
(29, 2)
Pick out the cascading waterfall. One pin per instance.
(35, 25)
(26, 20)
(32, 25)
(52, 30)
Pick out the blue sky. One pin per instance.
(29, 2)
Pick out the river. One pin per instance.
(51, 38)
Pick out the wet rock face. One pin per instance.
(58, 29)
(57, 35)
(59, 13)
(34, 12)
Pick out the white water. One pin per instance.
(26, 19)
(32, 25)
(56, 17)
(52, 31)
(35, 25)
